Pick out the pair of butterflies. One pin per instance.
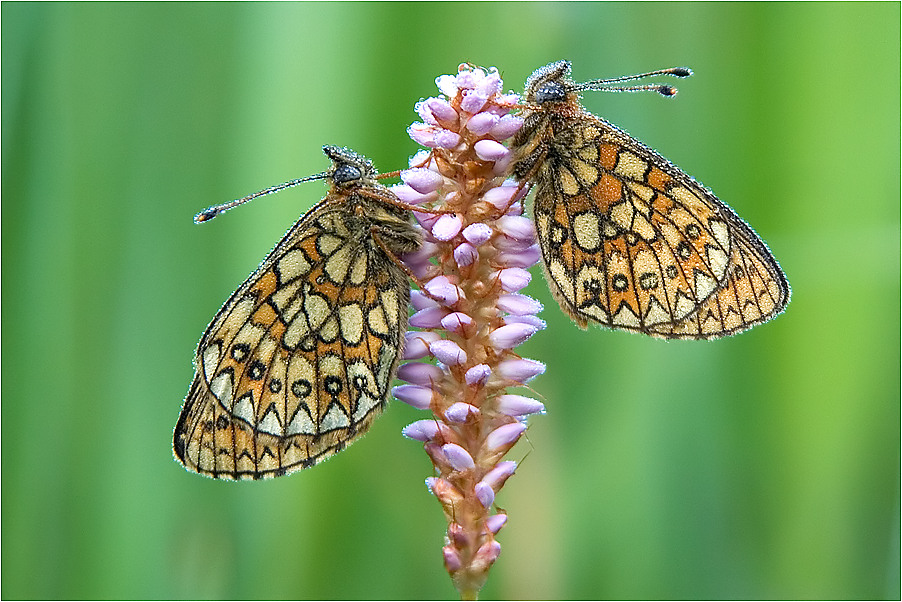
(300, 359)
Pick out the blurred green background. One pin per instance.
(763, 466)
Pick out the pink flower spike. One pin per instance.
(504, 436)
(496, 477)
(513, 279)
(442, 109)
(419, 373)
(515, 304)
(422, 180)
(490, 150)
(446, 139)
(520, 370)
(481, 123)
(447, 226)
(477, 234)
(456, 322)
(507, 126)
(478, 375)
(420, 300)
(448, 352)
(459, 458)
(431, 317)
(495, 522)
(485, 494)
(526, 258)
(423, 430)
(460, 411)
(517, 227)
(465, 254)
(452, 559)
(518, 405)
(416, 344)
(511, 335)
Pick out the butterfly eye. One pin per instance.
(346, 173)
(550, 91)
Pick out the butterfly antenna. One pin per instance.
(604, 85)
(211, 212)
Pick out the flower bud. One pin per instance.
(518, 405)
(504, 436)
(442, 110)
(456, 322)
(448, 352)
(478, 375)
(447, 226)
(513, 279)
(459, 412)
(485, 494)
(422, 180)
(458, 458)
(520, 370)
(495, 522)
(420, 373)
(465, 254)
(416, 344)
(431, 317)
(425, 430)
(477, 234)
(490, 150)
(511, 335)
(414, 395)
(518, 305)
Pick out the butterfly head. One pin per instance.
(550, 83)
(348, 167)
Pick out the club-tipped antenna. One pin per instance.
(604, 85)
(211, 212)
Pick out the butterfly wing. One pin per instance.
(298, 362)
(632, 242)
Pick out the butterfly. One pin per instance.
(299, 361)
(629, 241)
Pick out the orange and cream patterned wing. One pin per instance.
(632, 242)
(299, 361)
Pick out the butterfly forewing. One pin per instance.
(629, 241)
(299, 362)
